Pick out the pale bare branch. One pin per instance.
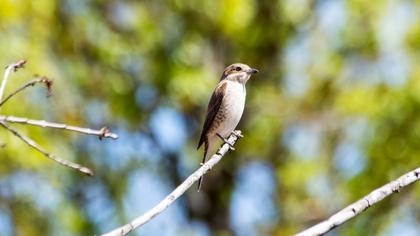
(165, 203)
(12, 67)
(102, 133)
(361, 205)
(34, 145)
(43, 79)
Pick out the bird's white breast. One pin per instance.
(234, 103)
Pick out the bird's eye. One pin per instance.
(238, 68)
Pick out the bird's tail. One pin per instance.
(206, 149)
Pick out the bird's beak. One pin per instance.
(252, 71)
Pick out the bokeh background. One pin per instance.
(333, 114)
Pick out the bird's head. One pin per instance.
(238, 72)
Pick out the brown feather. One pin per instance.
(212, 110)
(230, 70)
(206, 148)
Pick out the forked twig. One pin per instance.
(34, 145)
(12, 67)
(43, 79)
(102, 133)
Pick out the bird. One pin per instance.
(225, 108)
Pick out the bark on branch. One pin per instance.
(181, 189)
(44, 80)
(34, 145)
(102, 133)
(12, 67)
(361, 205)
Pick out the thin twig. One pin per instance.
(102, 133)
(165, 203)
(361, 205)
(34, 145)
(12, 67)
(43, 79)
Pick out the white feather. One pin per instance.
(234, 103)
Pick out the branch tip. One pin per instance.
(48, 83)
(103, 132)
(18, 65)
(43, 79)
(31, 143)
(363, 204)
(86, 171)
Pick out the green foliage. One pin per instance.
(334, 110)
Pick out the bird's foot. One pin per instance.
(226, 141)
(237, 133)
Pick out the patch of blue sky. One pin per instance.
(146, 190)
(6, 223)
(349, 160)
(100, 207)
(253, 206)
(297, 58)
(33, 187)
(303, 140)
(146, 96)
(168, 126)
(332, 17)
(404, 222)
(96, 113)
(117, 154)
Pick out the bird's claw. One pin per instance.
(226, 141)
(230, 146)
(222, 138)
(237, 133)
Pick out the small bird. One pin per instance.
(225, 107)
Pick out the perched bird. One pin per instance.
(225, 107)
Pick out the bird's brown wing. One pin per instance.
(212, 109)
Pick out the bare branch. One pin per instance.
(12, 67)
(34, 145)
(102, 133)
(361, 205)
(181, 189)
(45, 80)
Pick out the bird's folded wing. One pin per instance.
(212, 109)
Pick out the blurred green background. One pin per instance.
(333, 114)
